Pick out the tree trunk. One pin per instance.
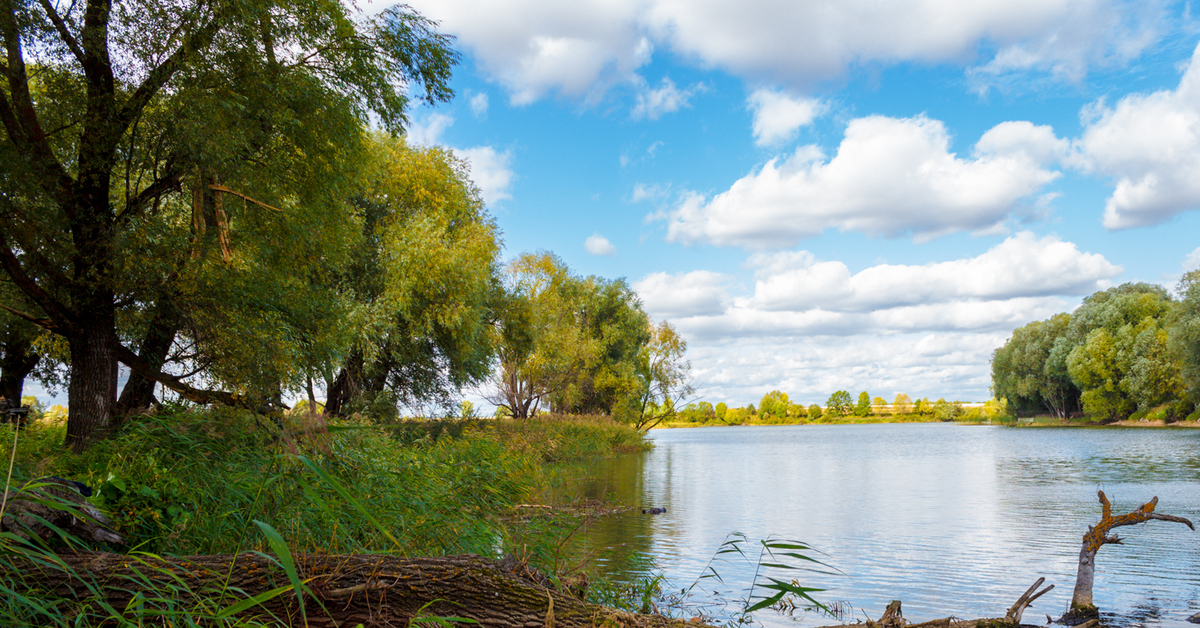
(1082, 607)
(92, 392)
(139, 390)
(18, 362)
(371, 590)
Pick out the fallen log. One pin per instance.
(342, 591)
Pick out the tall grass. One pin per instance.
(200, 481)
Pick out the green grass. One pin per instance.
(209, 481)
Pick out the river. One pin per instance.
(952, 520)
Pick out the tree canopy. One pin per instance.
(1127, 349)
(182, 171)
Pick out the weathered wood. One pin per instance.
(1018, 608)
(1097, 536)
(373, 590)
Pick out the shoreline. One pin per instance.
(1140, 423)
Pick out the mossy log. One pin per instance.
(372, 590)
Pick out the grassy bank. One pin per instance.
(201, 481)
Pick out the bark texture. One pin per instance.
(1097, 536)
(371, 590)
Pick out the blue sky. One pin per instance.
(835, 194)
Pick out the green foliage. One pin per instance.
(581, 345)
(197, 176)
(863, 407)
(839, 404)
(1029, 370)
(1123, 350)
(774, 403)
(421, 282)
(721, 409)
(1185, 332)
(814, 412)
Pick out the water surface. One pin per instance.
(952, 520)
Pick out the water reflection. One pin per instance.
(952, 520)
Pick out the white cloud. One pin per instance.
(643, 192)
(479, 104)
(890, 177)
(777, 116)
(697, 293)
(1020, 266)
(1192, 261)
(491, 170)
(1149, 144)
(810, 326)
(652, 103)
(597, 244)
(537, 48)
(580, 49)
(428, 130)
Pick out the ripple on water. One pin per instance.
(950, 519)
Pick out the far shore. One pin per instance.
(1041, 421)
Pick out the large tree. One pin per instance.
(135, 132)
(422, 283)
(1030, 369)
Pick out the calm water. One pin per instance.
(952, 520)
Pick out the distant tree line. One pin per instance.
(776, 408)
(1127, 351)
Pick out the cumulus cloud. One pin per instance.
(1192, 261)
(491, 170)
(696, 293)
(890, 177)
(667, 98)
(580, 49)
(1020, 266)
(1149, 144)
(597, 244)
(428, 130)
(537, 48)
(777, 116)
(810, 326)
(796, 293)
(479, 104)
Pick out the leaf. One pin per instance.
(256, 600)
(284, 555)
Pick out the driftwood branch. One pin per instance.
(1018, 608)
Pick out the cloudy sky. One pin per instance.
(835, 194)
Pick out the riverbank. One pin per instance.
(188, 481)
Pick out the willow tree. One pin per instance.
(142, 137)
(421, 283)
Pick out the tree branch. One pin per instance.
(162, 73)
(185, 390)
(59, 314)
(169, 182)
(61, 27)
(20, 119)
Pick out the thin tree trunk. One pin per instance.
(345, 590)
(138, 392)
(1082, 606)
